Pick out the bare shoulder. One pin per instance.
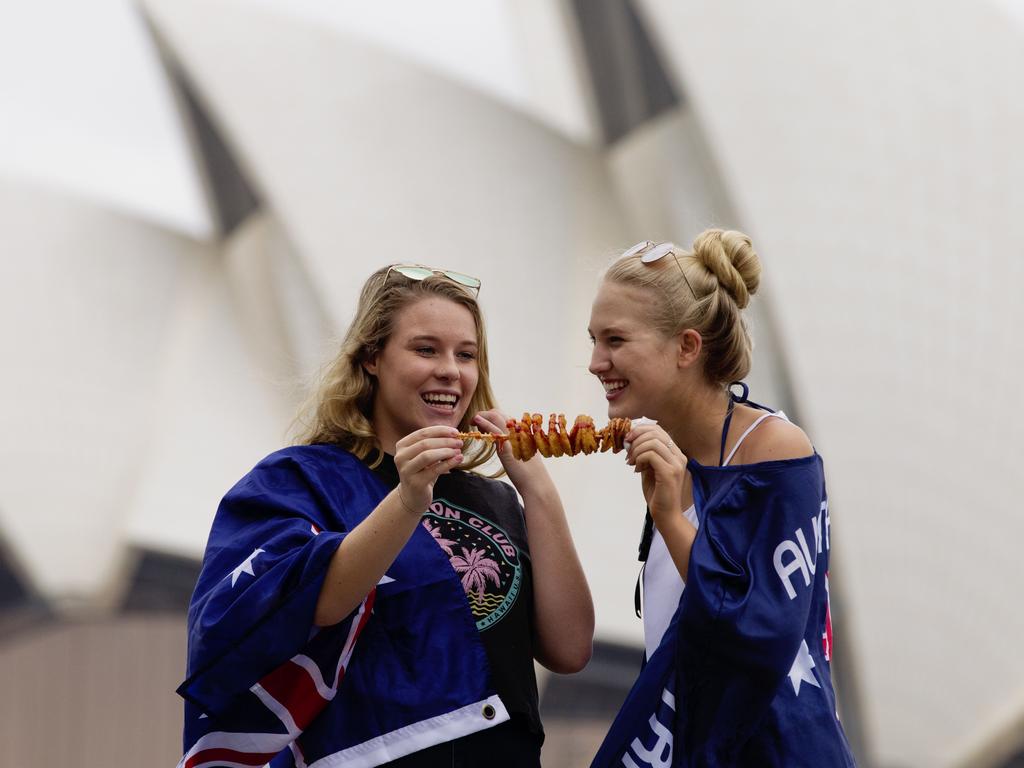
(774, 440)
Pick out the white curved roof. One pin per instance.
(85, 108)
(872, 155)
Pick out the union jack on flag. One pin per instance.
(265, 686)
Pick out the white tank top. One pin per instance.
(663, 586)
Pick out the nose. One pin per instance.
(447, 368)
(599, 363)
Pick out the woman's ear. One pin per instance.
(370, 365)
(690, 345)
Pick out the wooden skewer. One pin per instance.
(499, 439)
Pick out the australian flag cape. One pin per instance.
(741, 677)
(404, 671)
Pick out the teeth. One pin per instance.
(440, 399)
(612, 386)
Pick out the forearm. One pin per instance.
(563, 609)
(363, 557)
(679, 535)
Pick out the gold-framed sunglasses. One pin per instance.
(422, 272)
(656, 252)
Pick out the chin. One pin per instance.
(452, 420)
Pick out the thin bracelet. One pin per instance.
(401, 500)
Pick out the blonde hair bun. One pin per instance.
(706, 290)
(730, 257)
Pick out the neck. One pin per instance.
(695, 422)
(387, 441)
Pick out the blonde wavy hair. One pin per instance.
(706, 289)
(341, 409)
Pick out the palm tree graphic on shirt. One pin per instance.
(476, 569)
(442, 542)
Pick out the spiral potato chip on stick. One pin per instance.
(526, 436)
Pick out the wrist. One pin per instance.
(666, 517)
(533, 483)
(404, 503)
(673, 523)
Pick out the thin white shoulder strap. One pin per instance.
(750, 429)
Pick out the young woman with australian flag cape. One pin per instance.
(364, 600)
(736, 543)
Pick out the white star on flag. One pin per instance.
(385, 579)
(244, 567)
(801, 669)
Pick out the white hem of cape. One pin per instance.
(417, 736)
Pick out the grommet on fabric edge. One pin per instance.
(488, 712)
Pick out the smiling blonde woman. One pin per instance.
(364, 599)
(736, 540)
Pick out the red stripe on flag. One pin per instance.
(229, 756)
(826, 636)
(292, 686)
(367, 610)
(295, 690)
(370, 599)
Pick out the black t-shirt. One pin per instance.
(479, 524)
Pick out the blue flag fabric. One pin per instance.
(404, 671)
(741, 677)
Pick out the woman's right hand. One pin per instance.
(662, 466)
(421, 457)
(372, 546)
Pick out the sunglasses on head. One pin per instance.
(422, 272)
(652, 253)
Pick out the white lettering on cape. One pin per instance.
(799, 553)
(659, 755)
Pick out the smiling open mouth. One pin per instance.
(613, 385)
(442, 400)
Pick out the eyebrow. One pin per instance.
(610, 329)
(428, 337)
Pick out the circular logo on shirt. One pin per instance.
(482, 555)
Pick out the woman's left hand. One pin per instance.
(562, 608)
(662, 468)
(521, 473)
